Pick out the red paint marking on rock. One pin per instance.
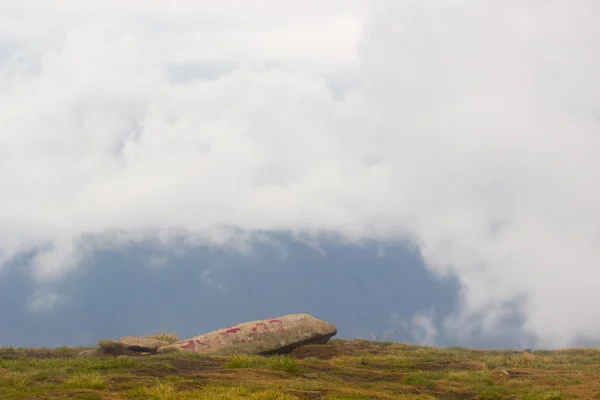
(230, 331)
(279, 323)
(260, 324)
(190, 345)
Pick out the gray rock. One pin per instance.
(270, 336)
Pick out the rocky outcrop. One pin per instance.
(141, 344)
(106, 348)
(270, 336)
(129, 345)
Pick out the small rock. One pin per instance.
(501, 374)
(310, 375)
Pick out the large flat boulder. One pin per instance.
(264, 337)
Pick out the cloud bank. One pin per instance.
(134, 290)
(470, 127)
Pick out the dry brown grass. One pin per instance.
(170, 337)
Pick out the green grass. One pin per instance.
(419, 380)
(168, 391)
(86, 381)
(544, 395)
(280, 362)
(339, 370)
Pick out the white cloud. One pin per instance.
(206, 278)
(471, 126)
(157, 262)
(42, 301)
(423, 329)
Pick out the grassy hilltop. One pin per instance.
(339, 370)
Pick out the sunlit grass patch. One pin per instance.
(160, 390)
(278, 362)
(544, 395)
(27, 377)
(168, 391)
(470, 377)
(86, 381)
(14, 378)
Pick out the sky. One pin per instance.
(464, 131)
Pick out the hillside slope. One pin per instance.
(338, 370)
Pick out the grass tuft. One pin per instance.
(544, 395)
(163, 335)
(86, 381)
(14, 379)
(278, 362)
